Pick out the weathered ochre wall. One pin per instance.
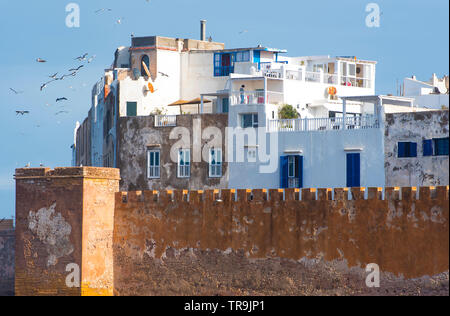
(221, 243)
(64, 216)
(258, 245)
(7, 238)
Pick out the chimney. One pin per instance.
(203, 30)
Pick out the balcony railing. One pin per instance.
(276, 70)
(256, 97)
(323, 124)
(165, 120)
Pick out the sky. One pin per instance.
(413, 38)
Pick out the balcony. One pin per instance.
(255, 97)
(323, 124)
(165, 120)
(280, 71)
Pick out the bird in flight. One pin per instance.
(22, 112)
(91, 59)
(44, 85)
(163, 74)
(53, 76)
(40, 60)
(76, 69)
(119, 21)
(61, 99)
(16, 92)
(80, 58)
(242, 32)
(61, 112)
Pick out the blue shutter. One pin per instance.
(349, 170)
(413, 149)
(257, 58)
(299, 164)
(356, 170)
(353, 170)
(427, 147)
(284, 172)
(401, 150)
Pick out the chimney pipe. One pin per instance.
(203, 30)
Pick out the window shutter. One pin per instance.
(401, 150)
(357, 170)
(299, 171)
(349, 170)
(413, 150)
(427, 147)
(284, 172)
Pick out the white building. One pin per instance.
(338, 139)
(432, 94)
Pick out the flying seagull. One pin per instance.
(119, 21)
(76, 69)
(80, 58)
(53, 76)
(61, 99)
(22, 112)
(61, 112)
(91, 59)
(40, 60)
(244, 31)
(16, 92)
(44, 85)
(163, 74)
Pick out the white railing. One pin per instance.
(255, 97)
(276, 70)
(313, 76)
(323, 124)
(165, 120)
(294, 74)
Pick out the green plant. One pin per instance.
(287, 111)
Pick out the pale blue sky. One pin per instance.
(412, 39)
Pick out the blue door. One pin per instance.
(353, 170)
(291, 172)
(257, 58)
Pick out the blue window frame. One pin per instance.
(353, 170)
(427, 147)
(225, 105)
(440, 146)
(249, 120)
(407, 150)
(291, 171)
(131, 108)
(223, 64)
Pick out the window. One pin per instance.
(436, 147)
(215, 163)
(131, 108)
(440, 146)
(243, 56)
(184, 163)
(225, 105)
(353, 170)
(407, 150)
(249, 120)
(154, 164)
(223, 64)
(146, 61)
(291, 172)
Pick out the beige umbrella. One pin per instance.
(178, 103)
(198, 101)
